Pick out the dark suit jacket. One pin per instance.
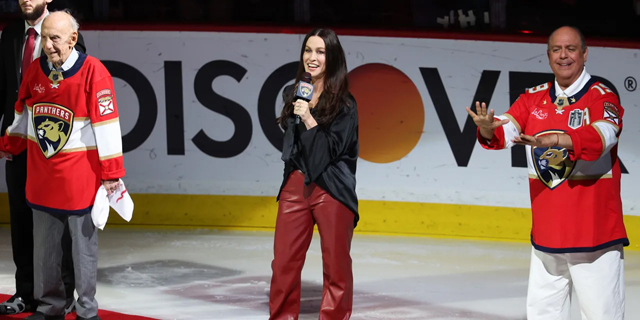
(11, 42)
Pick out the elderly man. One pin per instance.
(66, 117)
(570, 129)
(20, 44)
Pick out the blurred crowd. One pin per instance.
(619, 19)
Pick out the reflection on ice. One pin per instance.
(226, 275)
(161, 273)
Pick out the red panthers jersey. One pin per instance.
(68, 122)
(575, 194)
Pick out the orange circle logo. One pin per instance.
(390, 112)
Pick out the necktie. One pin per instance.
(28, 50)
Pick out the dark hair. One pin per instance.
(583, 42)
(335, 91)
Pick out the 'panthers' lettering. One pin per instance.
(52, 111)
(53, 124)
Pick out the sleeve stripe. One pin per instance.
(81, 136)
(609, 123)
(19, 127)
(513, 120)
(111, 156)
(19, 135)
(104, 123)
(65, 150)
(108, 138)
(511, 130)
(608, 133)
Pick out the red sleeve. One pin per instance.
(103, 112)
(588, 141)
(496, 143)
(518, 114)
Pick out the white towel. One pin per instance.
(120, 201)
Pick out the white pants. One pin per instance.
(597, 277)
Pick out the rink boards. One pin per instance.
(197, 111)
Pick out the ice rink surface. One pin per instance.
(210, 274)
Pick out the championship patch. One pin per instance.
(553, 165)
(611, 113)
(105, 102)
(53, 124)
(575, 118)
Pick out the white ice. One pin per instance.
(209, 274)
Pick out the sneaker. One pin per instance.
(42, 316)
(16, 305)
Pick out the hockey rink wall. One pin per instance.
(198, 109)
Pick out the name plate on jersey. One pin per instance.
(52, 125)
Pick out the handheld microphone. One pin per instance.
(304, 91)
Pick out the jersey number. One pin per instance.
(541, 87)
(602, 88)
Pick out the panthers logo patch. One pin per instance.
(305, 90)
(552, 164)
(52, 124)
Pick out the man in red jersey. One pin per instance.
(20, 44)
(570, 129)
(66, 117)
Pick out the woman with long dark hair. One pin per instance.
(320, 155)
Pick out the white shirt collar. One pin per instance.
(71, 60)
(38, 26)
(575, 87)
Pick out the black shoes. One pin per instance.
(16, 305)
(42, 316)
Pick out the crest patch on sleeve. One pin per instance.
(105, 102)
(611, 113)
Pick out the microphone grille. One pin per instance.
(306, 77)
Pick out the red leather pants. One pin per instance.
(299, 209)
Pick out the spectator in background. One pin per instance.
(452, 15)
(8, 7)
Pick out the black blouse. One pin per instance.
(327, 155)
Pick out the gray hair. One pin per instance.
(74, 23)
